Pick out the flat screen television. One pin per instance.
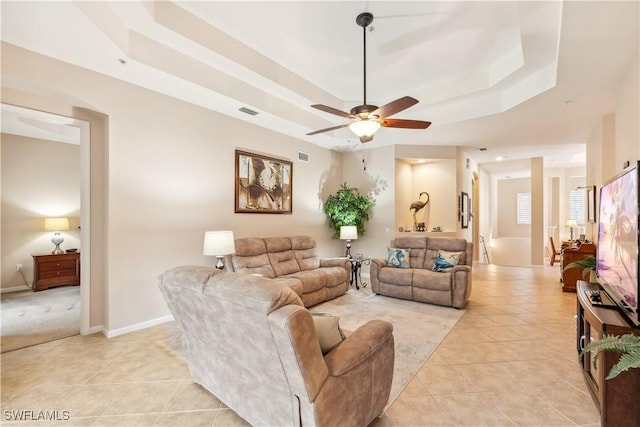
(617, 243)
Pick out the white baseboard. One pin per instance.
(136, 327)
(15, 289)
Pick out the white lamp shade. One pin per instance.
(218, 243)
(571, 223)
(56, 224)
(364, 127)
(348, 232)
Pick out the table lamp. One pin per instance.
(56, 225)
(348, 233)
(219, 244)
(571, 224)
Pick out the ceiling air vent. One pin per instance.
(303, 157)
(247, 111)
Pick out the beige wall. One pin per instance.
(39, 179)
(438, 178)
(169, 177)
(507, 190)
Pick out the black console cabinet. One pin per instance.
(619, 398)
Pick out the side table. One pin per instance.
(356, 266)
(51, 270)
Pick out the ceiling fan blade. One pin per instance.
(406, 124)
(394, 107)
(328, 129)
(332, 110)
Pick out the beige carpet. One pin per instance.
(30, 318)
(417, 328)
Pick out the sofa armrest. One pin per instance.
(364, 342)
(460, 267)
(379, 262)
(335, 262)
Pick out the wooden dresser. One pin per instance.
(51, 270)
(569, 255)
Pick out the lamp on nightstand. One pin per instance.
(56, 225)
(348, 233)
(219, 244)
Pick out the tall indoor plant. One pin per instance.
(348, 207)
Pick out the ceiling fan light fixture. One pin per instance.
(364, 127)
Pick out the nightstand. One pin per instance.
(50, 270)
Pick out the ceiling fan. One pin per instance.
(367, 119)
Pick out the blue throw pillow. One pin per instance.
(445, 261)
(398, 258)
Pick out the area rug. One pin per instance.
(418, 328)
(37, 317)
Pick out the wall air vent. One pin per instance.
(303, 157)
(247, 111)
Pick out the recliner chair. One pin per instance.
(250, 341)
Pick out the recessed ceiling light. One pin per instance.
(499, 159)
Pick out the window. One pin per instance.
(577, 206)
(523, 208)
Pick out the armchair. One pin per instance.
(250, 341)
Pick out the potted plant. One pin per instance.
(588, 266)
(628, 345)
(348, 207)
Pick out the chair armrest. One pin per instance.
(335, 262)
(364, 342)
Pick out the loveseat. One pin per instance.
(250, 341)
(417, 280)
(293, 261)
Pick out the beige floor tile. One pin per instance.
(472, 409)
(418, 411)
(228, 418)
(136, 420)
(140, 398)
(444, 379)
(186, 419)
(415, 388)
(190, 396)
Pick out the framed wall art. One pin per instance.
(263, 184)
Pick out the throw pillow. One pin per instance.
(328, 331)
(398, 258)
(445, 260)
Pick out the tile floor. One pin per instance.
(510, 361)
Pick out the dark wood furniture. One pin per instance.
(51, 270)
(569, 255)
(617, 398)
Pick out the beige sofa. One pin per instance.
(294, 262)
(250, 342)
(419, 282)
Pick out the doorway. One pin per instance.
(36, 124)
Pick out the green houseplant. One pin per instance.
(628, 345)
(587, 264)
(348, 207)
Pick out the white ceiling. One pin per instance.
(522, 79)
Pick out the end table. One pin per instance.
(356, 266)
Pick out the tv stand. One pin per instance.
(617, 398)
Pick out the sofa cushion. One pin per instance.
(418, 246)
(328, 331)
(427, 279)
(312, 280)
(256, 264)
(446, 260)
(396, 276)
(334, 276)
(281, 255)
(398, 257)
(291, 282)
(304, 249)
